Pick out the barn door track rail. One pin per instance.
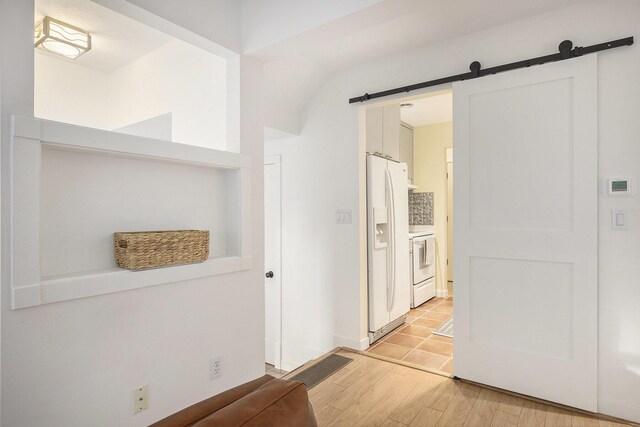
(566, 51)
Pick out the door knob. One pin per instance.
(269, 274)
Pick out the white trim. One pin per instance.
(624, 410)
(442, 293)
(272, 159)
(289, 366)
(30, 136)
(364, 343)
(275, 160)
(449, 154)
(65, 136)
(340, 341)
(116, 280)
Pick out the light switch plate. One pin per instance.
(619, 219)
(343, 216)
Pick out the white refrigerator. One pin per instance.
(388, 251)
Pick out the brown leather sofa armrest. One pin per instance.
(281, 403)
(200, 410)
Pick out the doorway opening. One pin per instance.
(526, 226)
(425, 145)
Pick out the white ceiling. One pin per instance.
(117, 40)
(428, 111)
(297, 67)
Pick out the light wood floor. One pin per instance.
(372, 392)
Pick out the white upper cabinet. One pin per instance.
(391, 132)
(383, 131)
(406, 148)
(374, 131)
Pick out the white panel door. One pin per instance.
(525, 239)
(272, 243)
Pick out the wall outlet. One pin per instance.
(215, 368)
(140, 398)
(343, 216)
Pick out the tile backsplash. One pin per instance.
(420, 208)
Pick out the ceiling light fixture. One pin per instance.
(61, 38)
(406, 105)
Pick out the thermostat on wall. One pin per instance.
(621, 186)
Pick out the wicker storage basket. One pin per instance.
(151, 249)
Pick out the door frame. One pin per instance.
(449, 180)
(275, 160)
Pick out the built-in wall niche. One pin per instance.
(73, 187)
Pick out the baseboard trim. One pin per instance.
(340, 341)
(442, 293)
(288, 366)
(364, 343)
(617, 409)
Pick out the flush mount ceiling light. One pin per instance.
(61, 38)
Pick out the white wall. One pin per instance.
(320, 275)
(70, 93)
(321, 170)
(75, 363)
(177, 78)
(79, 216)
(16, 94)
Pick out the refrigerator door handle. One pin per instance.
(391, 285)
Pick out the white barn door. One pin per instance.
(525, 230)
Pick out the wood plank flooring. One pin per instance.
(373, 392)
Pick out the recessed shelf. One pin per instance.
(32, 285)
(63, 288)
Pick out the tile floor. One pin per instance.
(414, 343)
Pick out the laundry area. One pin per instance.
(409, 206)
